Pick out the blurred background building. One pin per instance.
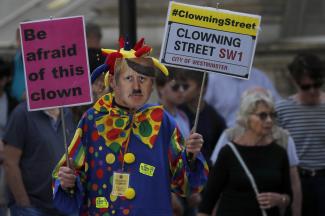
(288, 26)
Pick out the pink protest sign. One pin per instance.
(56, 63)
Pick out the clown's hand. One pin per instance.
(67, 176)
(194, 144)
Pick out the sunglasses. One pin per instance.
(176, 86)
(307, 87)
(263, 115)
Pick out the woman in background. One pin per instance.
(228, 182)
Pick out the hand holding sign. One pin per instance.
(56, 70)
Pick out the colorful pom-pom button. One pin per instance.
(129, 193)
(112, 197)
(129, 158)
(110, 158)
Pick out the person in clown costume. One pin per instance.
(127, 156)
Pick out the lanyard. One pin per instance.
(126, 143)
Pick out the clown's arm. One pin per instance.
(68, 181)
(187, 179)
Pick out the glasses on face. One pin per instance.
(263, 115)
(307, 87)
(176, 86)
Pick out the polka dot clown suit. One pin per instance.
(154, 158)
(127, 163)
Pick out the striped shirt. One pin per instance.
(306, 125)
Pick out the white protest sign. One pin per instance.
(208, 39)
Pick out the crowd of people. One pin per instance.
(266, 155)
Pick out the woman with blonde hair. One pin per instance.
(251, 174)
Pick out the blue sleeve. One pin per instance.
(68, 202)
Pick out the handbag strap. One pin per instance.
(248, 173)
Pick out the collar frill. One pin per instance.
(116, 125)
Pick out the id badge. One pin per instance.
(120, 183)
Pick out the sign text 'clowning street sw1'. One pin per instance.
(208, 39)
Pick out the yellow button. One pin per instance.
(110, 158)
(129, 158)
(113, 197)
(129, 193)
